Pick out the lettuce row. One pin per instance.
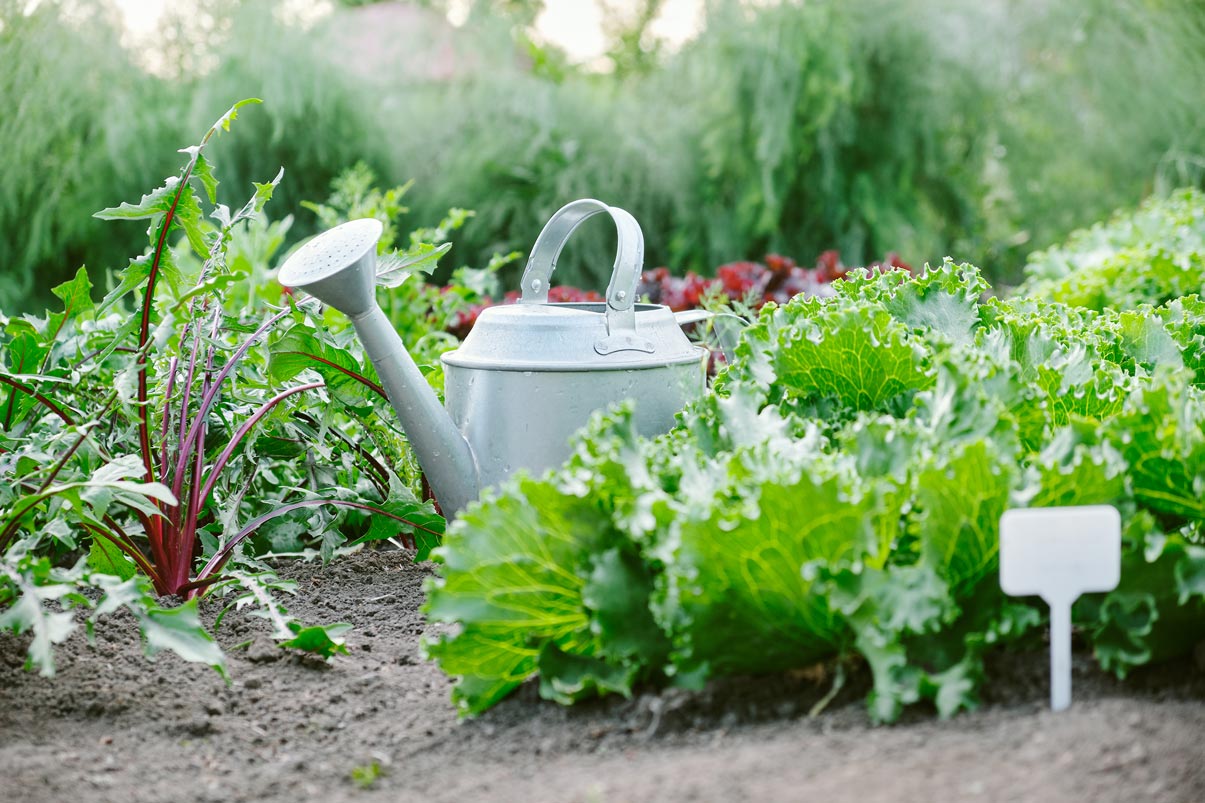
(839, 494)
(1149, 256)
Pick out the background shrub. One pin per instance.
(983, 130)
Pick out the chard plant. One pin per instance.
(146, 444)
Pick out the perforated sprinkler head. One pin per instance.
(338, 267)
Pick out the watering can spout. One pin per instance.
(442, 450)
(339, 268)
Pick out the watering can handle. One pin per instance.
(621, 292)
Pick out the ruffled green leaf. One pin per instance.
(960, 496)
(858, 355)
(734, 595)
(511, 574)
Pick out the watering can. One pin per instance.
(529, 375)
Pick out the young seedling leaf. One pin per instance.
(180, 630)
(326, 641)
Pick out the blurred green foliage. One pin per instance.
(74, 134)
(1152, 255)
(983, 130)
(86, 124)
(1095, 105)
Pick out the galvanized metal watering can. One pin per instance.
(529, 374)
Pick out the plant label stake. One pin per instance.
(1058, 553)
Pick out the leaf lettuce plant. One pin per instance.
(838, 495)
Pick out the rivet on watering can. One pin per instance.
(621, 295)
(535, 285)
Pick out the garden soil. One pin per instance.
(377, 725)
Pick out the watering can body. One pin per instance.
(529, 375)
(521, 412)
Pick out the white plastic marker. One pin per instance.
(1058, 553)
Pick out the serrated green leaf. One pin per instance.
(566, 678)
(884, 608)
(734, 596)
(421, 258)
(153, 204)
(961, 495)
(180, 630)
(509, 573)
(617, 592)
(1160, 434)
(23, 354)
(347, 379)
(1147, 341)
(1184, 321)
(189, 217)
(263, 193)
(231, 114)
(105, 557)
(76, 294)
(203, 170)
(136, 274)
(859, 355)
(28, 613)
(1076, 469)
(942, 301)
(1126, 619)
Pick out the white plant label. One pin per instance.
(1058, 553)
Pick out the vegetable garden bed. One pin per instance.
(733, 604)
(111, 726)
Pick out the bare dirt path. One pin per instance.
(112, 727)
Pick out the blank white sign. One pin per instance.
(1060, 552)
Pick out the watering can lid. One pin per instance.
(571, 337)
(535, 335)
